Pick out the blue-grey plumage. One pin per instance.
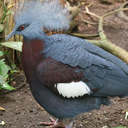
(79, 48)
(67, 75)
(110, 74)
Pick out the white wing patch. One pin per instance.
(73, 89)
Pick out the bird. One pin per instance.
(67, 75)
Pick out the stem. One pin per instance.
(110, 13)
(4, 9)
(100, 28)
(4, 13)
(93, 14)
(84, 35)
(88, 22)
(75, 11)
(121, 14)
(95, 42)
(103, 42)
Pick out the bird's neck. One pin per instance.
(31, 55)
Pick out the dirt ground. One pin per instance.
(22, 111)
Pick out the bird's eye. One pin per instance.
(22, 27)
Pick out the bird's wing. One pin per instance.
(73, 67)
(76, 51)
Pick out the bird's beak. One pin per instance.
(10, 35)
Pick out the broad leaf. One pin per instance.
(4, 69)
(5, 85)
(1, 53)
(2, 80)
(13, 45)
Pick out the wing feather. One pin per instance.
(66, 47)
(76, 59)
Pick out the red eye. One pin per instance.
(22, 27)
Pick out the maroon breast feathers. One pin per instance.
(52, 72)
(60, 77)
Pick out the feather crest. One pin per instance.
(49, 13)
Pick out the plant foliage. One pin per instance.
(6, 12)
(4, 74)
(14, 45)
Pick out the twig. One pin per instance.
(95, 42)
(84, 35)
(112, 12)
(88, 22)
(5, 11)
(74, 12)
(90, 13)
(104, 42)
(121, 14)
(100, 28)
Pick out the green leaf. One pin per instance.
(4, 69)
(2, 80)
(1, 53)
(14, 71)
(1, 27)
(10, 12)
(4, 9)
(5, 85)
(13, 45)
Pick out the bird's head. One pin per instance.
(33, 16)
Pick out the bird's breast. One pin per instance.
(31, 56)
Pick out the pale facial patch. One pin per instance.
(73, 89)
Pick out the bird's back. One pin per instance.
(102, 70)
